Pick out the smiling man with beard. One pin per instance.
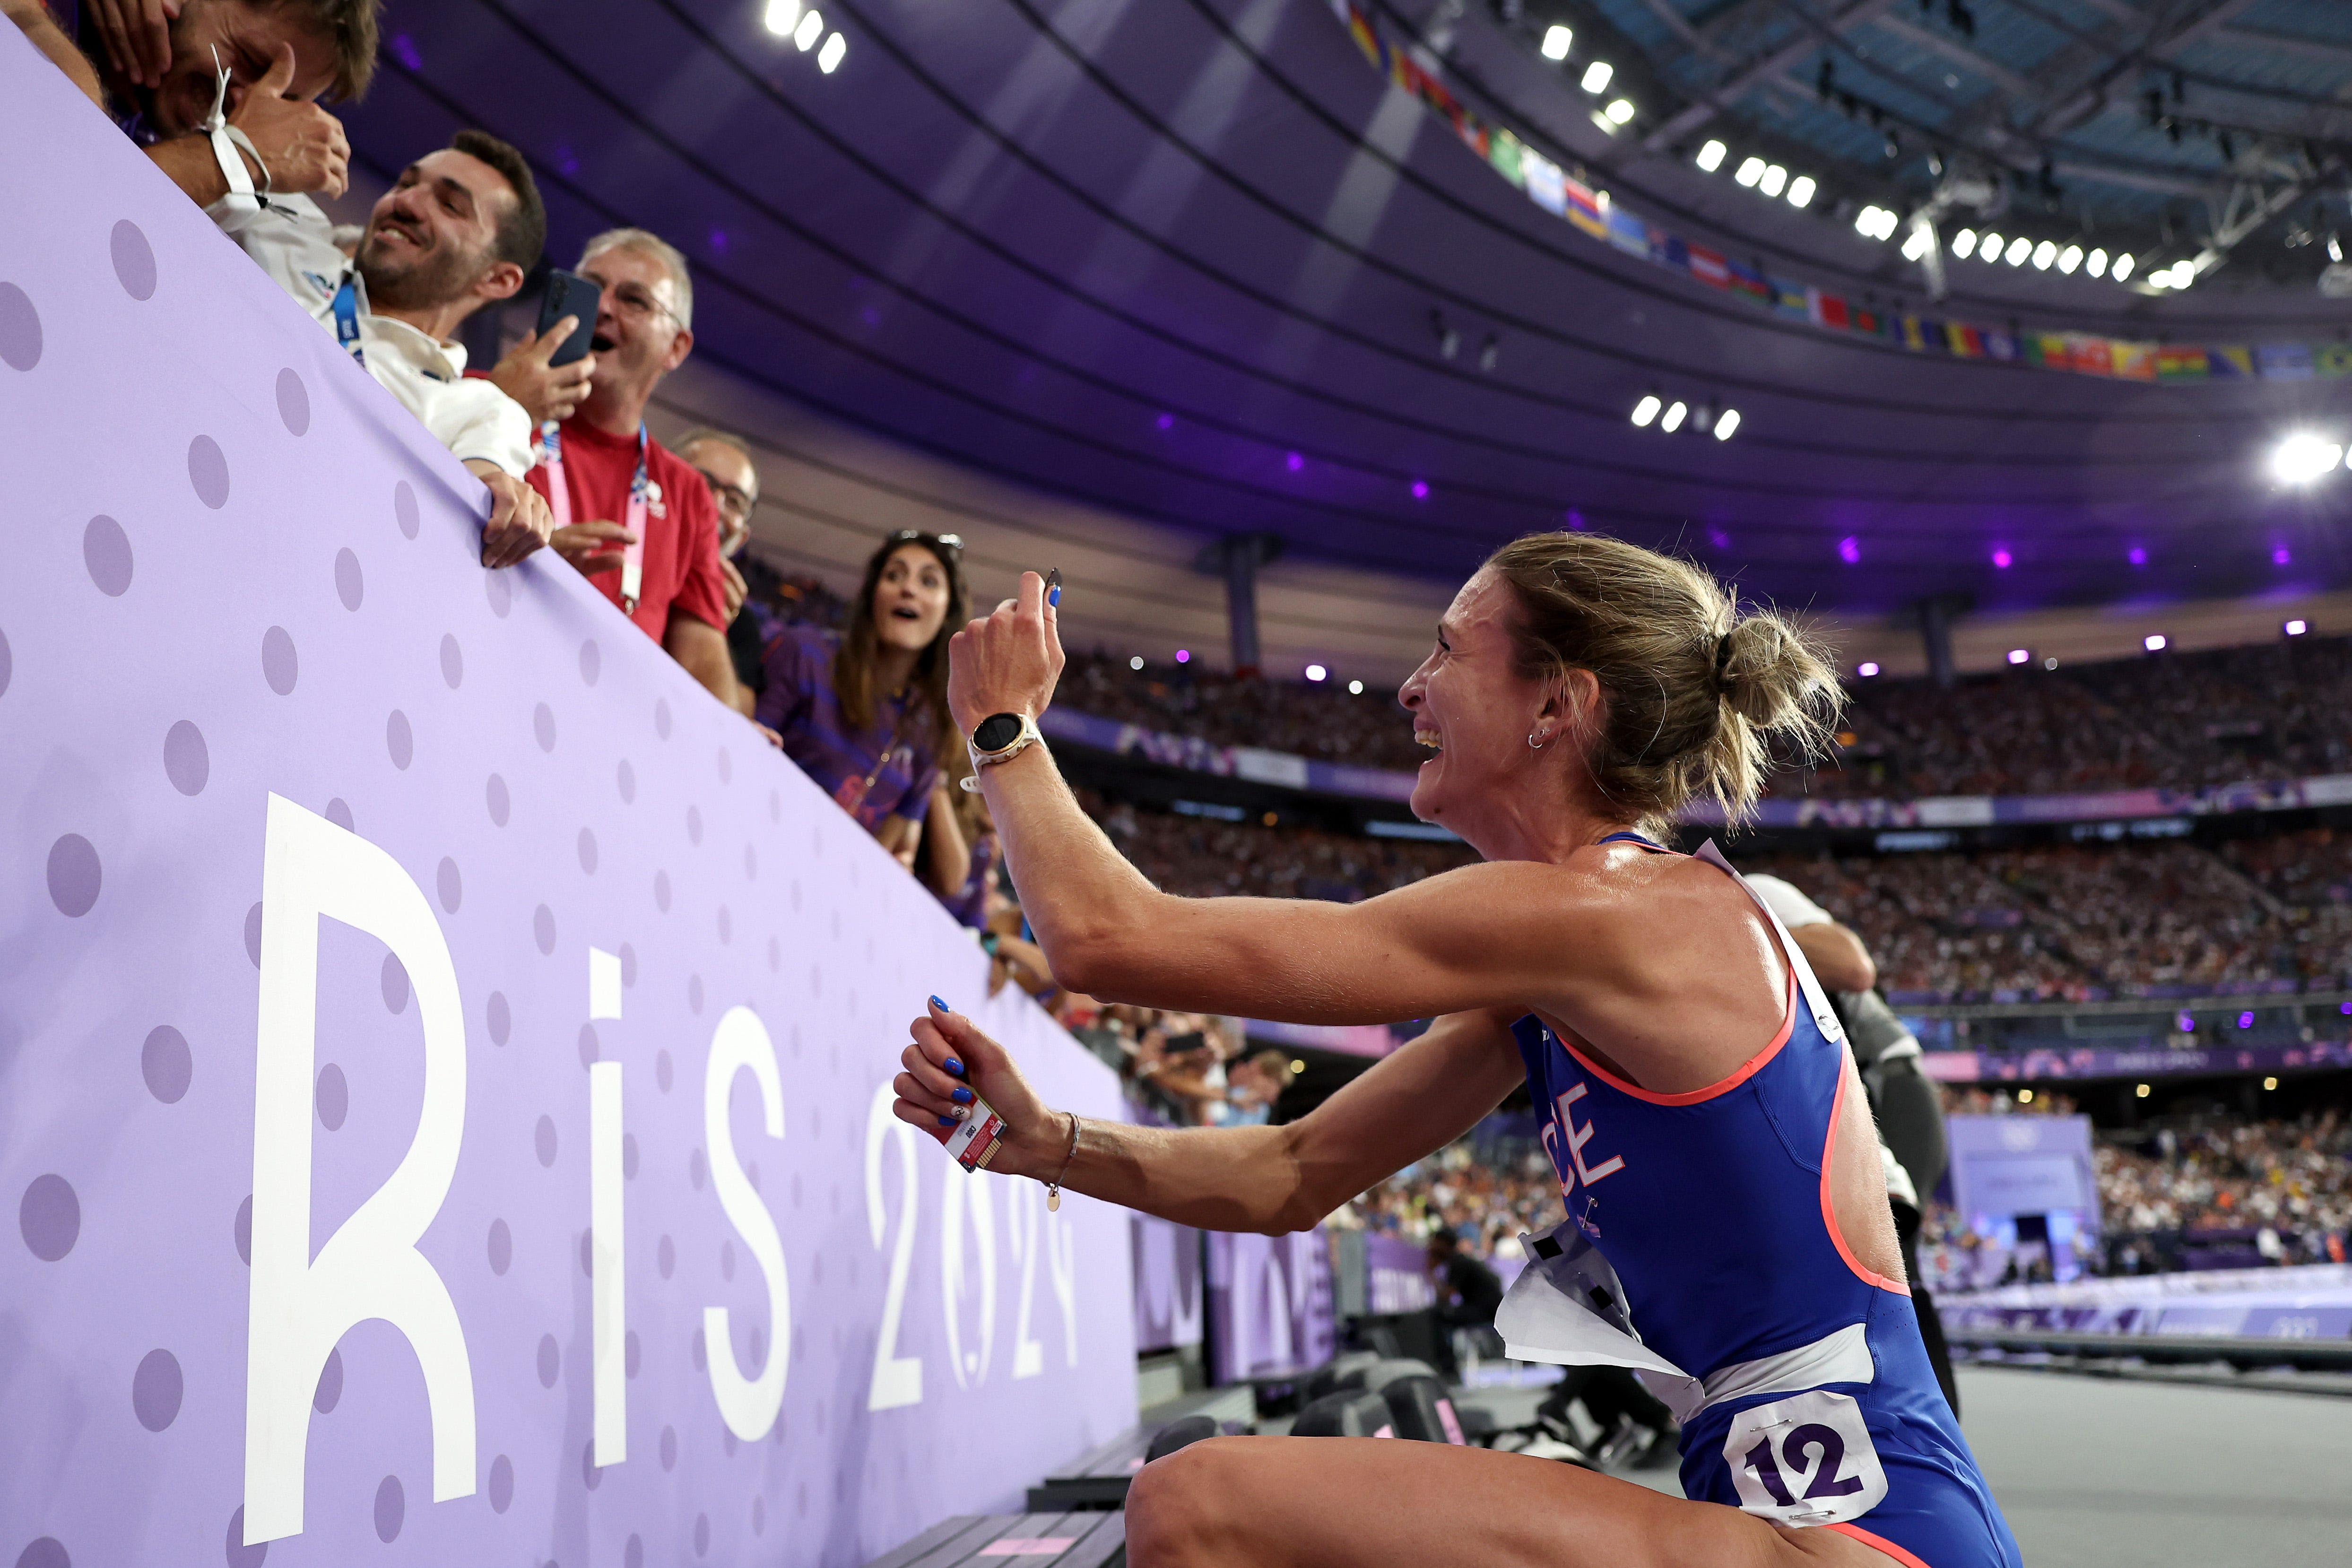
(457, 232)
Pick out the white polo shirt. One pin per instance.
(294, 243)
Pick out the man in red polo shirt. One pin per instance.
(652, 547)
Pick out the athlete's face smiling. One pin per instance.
(1475, 712)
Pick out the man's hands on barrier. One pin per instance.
(302, 146)
(546, 392)
(518, 522)
(949, 1066)
(593, 547)
(137, 35)
(1007, 662)
(736, 590)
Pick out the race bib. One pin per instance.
(1805, 1459)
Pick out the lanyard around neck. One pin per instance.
(347, 316)
(559, 502)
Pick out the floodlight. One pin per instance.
(1555, 40)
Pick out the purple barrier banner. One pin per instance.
(1168, 1301)
(1396, 1274)
(1270, 1306)
(444, 1055)
(2308, 1301)
(2036, 1066)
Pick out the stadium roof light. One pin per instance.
(1355, 688)
(1597, 74)
(2155, 643)
(1867, 669)
(1750, 170)
(782, 16)
(2296, 628)
(2021, 655)
(810, 29)
(828, 58)
(1555, 40)
(1619, 112)
(1726, 423)
(2069, 259)
(1711, 156)
(1135, 662)
(2096, 263)
(2043, 255)
(1315, 672)
(1775, 180)
(1675, 417)
(2123, 267)
(1647, 409)
(1990, 248)
(1917, 244)
(1800, 191)
(2019, 249)
(2303, 457)
(1964, 244)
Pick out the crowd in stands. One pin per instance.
(1486, 1204)
(2177, 721)
(1206, 857)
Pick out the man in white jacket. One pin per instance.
(457, 232)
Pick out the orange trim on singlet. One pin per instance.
(1829, 1209)
(1747, 1070)
(1878, 1542)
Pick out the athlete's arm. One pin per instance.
(1270, 1179)
(1484, 935)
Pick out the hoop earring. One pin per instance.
(1534, 744)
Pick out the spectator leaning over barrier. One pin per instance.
(864, 712)
(636, 522)
(726, 466)
(159, 75)
(457, 232)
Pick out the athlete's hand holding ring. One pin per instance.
(949, 1066)
(1006, 661)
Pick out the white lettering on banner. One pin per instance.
(1023, 1224)
(961, 1193)
(608, 1299)
(1062, 1266)
(1578, 1137)
(749, 1406)
(897, 1379)
(300, 1306)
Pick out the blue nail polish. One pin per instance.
(947, 1121)
(955, 1068)
(1055, 598)
(941, 1006)
(961, 1096)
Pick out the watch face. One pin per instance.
(997, 731)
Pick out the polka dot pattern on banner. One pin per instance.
(133, 258)
(49, 1218)
(186, 761)
(20, 329)
(106, 553)
(165, 1063)
(351, 585)
(75, 875)
(293, 403)
(209, 472)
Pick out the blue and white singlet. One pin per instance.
(1702, 1222)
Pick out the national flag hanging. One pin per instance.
(1544, 180)
(1751, 281)
(1789, 300)
(2133, 361)
(1587, 209)
(1504, 153)
(1628, 232)
(2231, 362)
(1366, 39)
(1707, 266)
(1913, 338)
(2284, 361)
(2179, 362)
(2331, 361)
(1826, 310)
(1964, 341)
(1999, 345)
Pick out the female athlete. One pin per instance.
(1706, 1124)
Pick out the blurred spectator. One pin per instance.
(864, 712)
(966, 890)
(636, 522)
(1207, 856)
(725, 463)
(1469, 1293)
(457, 232)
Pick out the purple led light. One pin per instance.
(1183, 655)
(1421, 489)
(1869, 667)
(2282, 557)
(2001, 559)
(1575, 520)
(1718, 539)
(1166, 421)
(2139, 556)
(2245, 1020)
(1850, 551)
(1294, 462)
(2185, 1024)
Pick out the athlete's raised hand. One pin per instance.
(950, 1067)
(1007, 662)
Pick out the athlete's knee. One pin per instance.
(1180, 1509)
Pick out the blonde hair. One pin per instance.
(1693, 692)
(645, 242)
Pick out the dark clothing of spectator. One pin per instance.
(1469, 1294)
(749, 633)
(971, 906)
(681, 561)
(887, 770)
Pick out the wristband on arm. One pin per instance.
(227, 140)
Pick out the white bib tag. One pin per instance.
(1806, 1460)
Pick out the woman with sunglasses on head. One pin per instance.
(864, 711)
(1727, 1223)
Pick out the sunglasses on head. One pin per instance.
(951, 543)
